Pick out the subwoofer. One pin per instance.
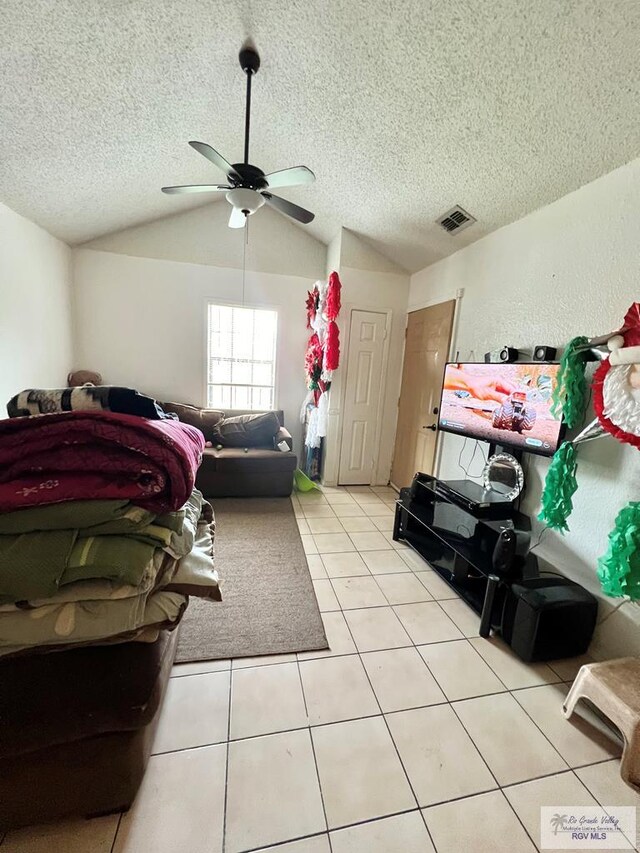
(547, 618)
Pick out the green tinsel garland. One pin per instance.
(619, 569)
(559, 487)
(570, 395)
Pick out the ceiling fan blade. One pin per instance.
(217, 159)
(289, 208)
(237, 218)
(294, 177)
(196, 188)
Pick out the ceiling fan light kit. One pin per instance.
(247, 187)
(247, 201)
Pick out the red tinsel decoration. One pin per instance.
(312, 305)
(332, 347)
(333, 296)
(632, 326)
(313, 362)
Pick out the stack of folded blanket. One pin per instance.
(102, 534)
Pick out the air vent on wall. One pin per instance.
(455, 220)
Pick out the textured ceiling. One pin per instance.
(401, 109)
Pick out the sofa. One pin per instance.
(77, 728)
(262, 471)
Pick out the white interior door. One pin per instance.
(362, 397)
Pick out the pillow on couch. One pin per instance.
(204, 419)
(257, 430)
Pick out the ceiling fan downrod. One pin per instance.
(250, 63)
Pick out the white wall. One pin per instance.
(357, 253)
(35, 308)
(365, 288)
(570, 268)
(141, 322)
(201, 236)
(333, 254)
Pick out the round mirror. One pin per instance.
(503, 474)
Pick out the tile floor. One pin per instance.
(412, 734)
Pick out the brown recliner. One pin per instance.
(236, 471)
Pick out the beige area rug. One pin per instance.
(269, 604)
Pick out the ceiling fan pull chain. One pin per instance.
(244, 255)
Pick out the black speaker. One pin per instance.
(542, 353)
(548, 618)
(504, 551)
(508, 354)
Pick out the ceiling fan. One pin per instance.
(247, 187)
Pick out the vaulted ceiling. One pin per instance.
(401, 109)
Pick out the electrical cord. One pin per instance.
(470, 462)
(544, 530)
(615, 610)
(460, 465)
(485, 457)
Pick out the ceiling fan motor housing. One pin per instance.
(252, 177)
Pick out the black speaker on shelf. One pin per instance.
(547, 618)
(504, 551)
(542, 353)
(509, 354)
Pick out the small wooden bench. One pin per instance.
(613, 687)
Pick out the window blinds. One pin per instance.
(242, 357)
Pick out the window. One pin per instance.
(241, 365)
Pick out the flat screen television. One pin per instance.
(507, 404)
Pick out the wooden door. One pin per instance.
(428, 338)
(362, 397)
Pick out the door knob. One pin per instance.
(432, 427)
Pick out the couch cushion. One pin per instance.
(204, 419)
(255, 430)
(229, 459)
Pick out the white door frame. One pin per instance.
(344, 356)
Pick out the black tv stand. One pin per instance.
(460, 546)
